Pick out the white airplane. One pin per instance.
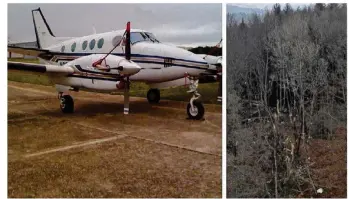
(104, 62)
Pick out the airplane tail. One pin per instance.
(43, 32)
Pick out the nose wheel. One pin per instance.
(66, 103)
(195, 108)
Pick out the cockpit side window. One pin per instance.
(136, 37)
(151, 37)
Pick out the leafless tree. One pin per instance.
(286, 81)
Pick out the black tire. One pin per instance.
(153, 96)
(67, 104)
(199, 112)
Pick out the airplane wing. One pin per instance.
(40, 68)
(33, 67)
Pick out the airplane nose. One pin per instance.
(199, 61)
(129, 67)
(187, 57)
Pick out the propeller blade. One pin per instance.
(128, 42)
(127, 96)
(128, 57)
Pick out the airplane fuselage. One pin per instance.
(159, 62)
(111, 61)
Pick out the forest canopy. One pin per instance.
(209, 50)
(286, 84)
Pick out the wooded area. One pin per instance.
(286, 85)
(209, 50)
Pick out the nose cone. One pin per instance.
(193, 63)
(180, 53)
(212, 59)
(129, 67)
(215, 62)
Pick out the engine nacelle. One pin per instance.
(112, 64)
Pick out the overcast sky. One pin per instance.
(180, 24)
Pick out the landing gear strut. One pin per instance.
(66, 103)
(195, 108)
(153, 96)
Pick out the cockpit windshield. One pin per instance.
(143, 36)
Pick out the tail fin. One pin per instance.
(43, 32)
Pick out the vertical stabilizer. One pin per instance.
(43, 32)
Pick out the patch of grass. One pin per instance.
(208, 91)
(33, 78)
(19, 76)
(23, 60)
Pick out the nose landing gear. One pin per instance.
(195, 108)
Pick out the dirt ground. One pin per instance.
(328, 165)
(98, 152)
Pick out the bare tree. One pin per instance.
(286, 80)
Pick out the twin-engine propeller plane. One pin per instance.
(104, 62)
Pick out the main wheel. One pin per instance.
(67, 104)
(153, 96)
(197, 112)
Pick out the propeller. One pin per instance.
(126, 80)
(127, 57)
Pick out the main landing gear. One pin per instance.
(195, 108)
(153, 96)
(66, 103)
